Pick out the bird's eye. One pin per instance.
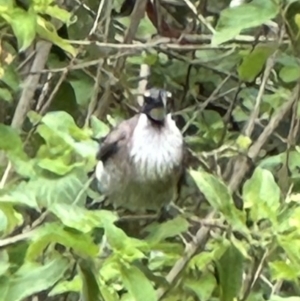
(147, 100)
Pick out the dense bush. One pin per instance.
(71, 70)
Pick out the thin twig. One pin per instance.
(5, 175)
(144, 73)
(269, 66)
(136, 16)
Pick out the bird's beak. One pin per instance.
(158, 113)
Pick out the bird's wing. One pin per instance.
(116, 139)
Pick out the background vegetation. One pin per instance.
(72, 69)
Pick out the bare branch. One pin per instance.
(31, 83)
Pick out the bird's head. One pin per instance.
(155, 104)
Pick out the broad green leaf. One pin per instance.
(214, 190)
(80, 218)
(4, 286)
(5, 95)
(6, 4)
(294, 218)
(254, 62)
(217, 194)
(10, 140)
(64, 190)
(202, 287)
(233, 20)
(4, 262)
(28, 280)
(281, 270)
(100, 129)
(261, 195)
(54, 233)
(13, 218)
(231, 263)
(126, 247)
(171, 228)
(137, 284)
(61, 121)
(201, 261)
(73, 285)
(11, 78)
(83, 87)
(23, 24)
(20, 194)
(59, 130)
(290, 74)
(17, 253)
(57, 165)
(3, 222)
(291, 245)
(48, 32)
(90, 284)
(58, 13)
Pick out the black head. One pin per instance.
(155, 104)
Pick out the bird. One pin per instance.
(140, 162)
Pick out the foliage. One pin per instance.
(70, 70)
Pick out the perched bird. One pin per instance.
(141, 160)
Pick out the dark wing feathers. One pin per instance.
(117, 138)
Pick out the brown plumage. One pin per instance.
(140, 161)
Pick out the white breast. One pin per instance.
(155, 152)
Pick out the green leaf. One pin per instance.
(82, 219)
(55, 233)
(11, 78)
(233, 20)
(83, 88)
(59, 129)
(21, 195)
(48, 32)
(73, 285)
(217, 194)
(13, 218)
(262, 195)
(90, 285)
(28, 281)
(290, 74)
(231, 263)
(201, 261)
(137, 284)
(7, 3)
(127, 248)
(5, 95)
(10, 140)
(100, 129)
(57, 165)
(254, 62)
(58, 13)
(291, 245)
(202, 287)
(171, 228)
(281, 270)
(3, 222)
(64, 190)
(23, 24)
(4, 262)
